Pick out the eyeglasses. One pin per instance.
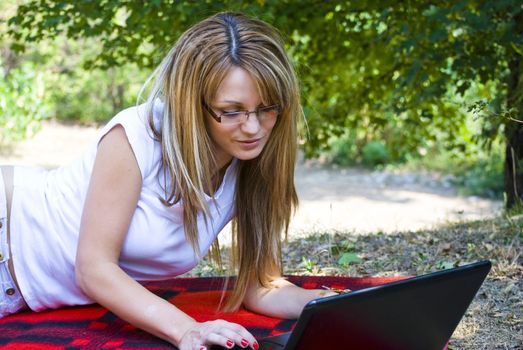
(241, 116)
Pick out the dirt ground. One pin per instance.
(354, 200)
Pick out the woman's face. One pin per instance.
(245, 140)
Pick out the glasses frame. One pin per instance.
(247, 113)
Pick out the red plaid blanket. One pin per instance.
(94, 327)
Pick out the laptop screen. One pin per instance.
(416, 313)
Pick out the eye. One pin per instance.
(273, 110)
(231, 114)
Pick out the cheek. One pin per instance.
(218, 135)
(268, 128)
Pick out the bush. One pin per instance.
(23, 102)
(77, 93)
(483, 178)
(343, 151)
(478, 172)
(94, 96)
(375, 153)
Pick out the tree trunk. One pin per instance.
(514, 135)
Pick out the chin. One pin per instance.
(248, 155)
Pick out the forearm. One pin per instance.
(283, 299)
(111, 287)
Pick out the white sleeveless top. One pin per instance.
(47, 207)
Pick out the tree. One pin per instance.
(23, 98)
(381, 68)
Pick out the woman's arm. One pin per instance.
(283, 299)
(111, 200)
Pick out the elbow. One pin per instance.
(253, 298)
(81, 277)
(249, 298)
(93, 276)
(85, 277)
(249, 305)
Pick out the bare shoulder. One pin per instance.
(115, 179)
(114, 140)
(115, 156)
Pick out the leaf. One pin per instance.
(432, 11)
(349, 258)
(444, 265)
(517, 48)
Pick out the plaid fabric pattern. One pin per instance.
(94, 327)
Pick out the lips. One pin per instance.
(249, 144)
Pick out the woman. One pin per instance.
(216, 141)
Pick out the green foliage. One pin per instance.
(72, 92)
(374, 153)
(349, 258)
(515, 212)
(343, 246)
(445, 265)
(480, 174)
(388, 71)
(363, 64)
(343, 151)
(473, 157)
(344, 251)
(88, 95)
(483, 178)
(22, 102)
(309, 265)
(95, 95)
(477, 171)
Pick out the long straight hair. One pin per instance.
(189, 77)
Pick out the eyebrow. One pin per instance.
(232, 102)
(228, 104)
(236, 103)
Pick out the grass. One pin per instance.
(494, 319)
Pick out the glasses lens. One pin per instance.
(269, 112)
(238, 117)
(233, 117)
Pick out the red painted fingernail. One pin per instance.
(255, 345)
(230, 343)
(202, 347)
(244, 343)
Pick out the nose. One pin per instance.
(251, 125)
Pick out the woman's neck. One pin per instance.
(218, 176)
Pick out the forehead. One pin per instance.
(238, 86)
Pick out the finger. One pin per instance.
(219, 339)
(235, 337)
(238, 334)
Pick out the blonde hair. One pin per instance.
(189, 77)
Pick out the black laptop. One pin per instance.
(417, 313)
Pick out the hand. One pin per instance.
(219, 332)
(335, 291)
(326, 293)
